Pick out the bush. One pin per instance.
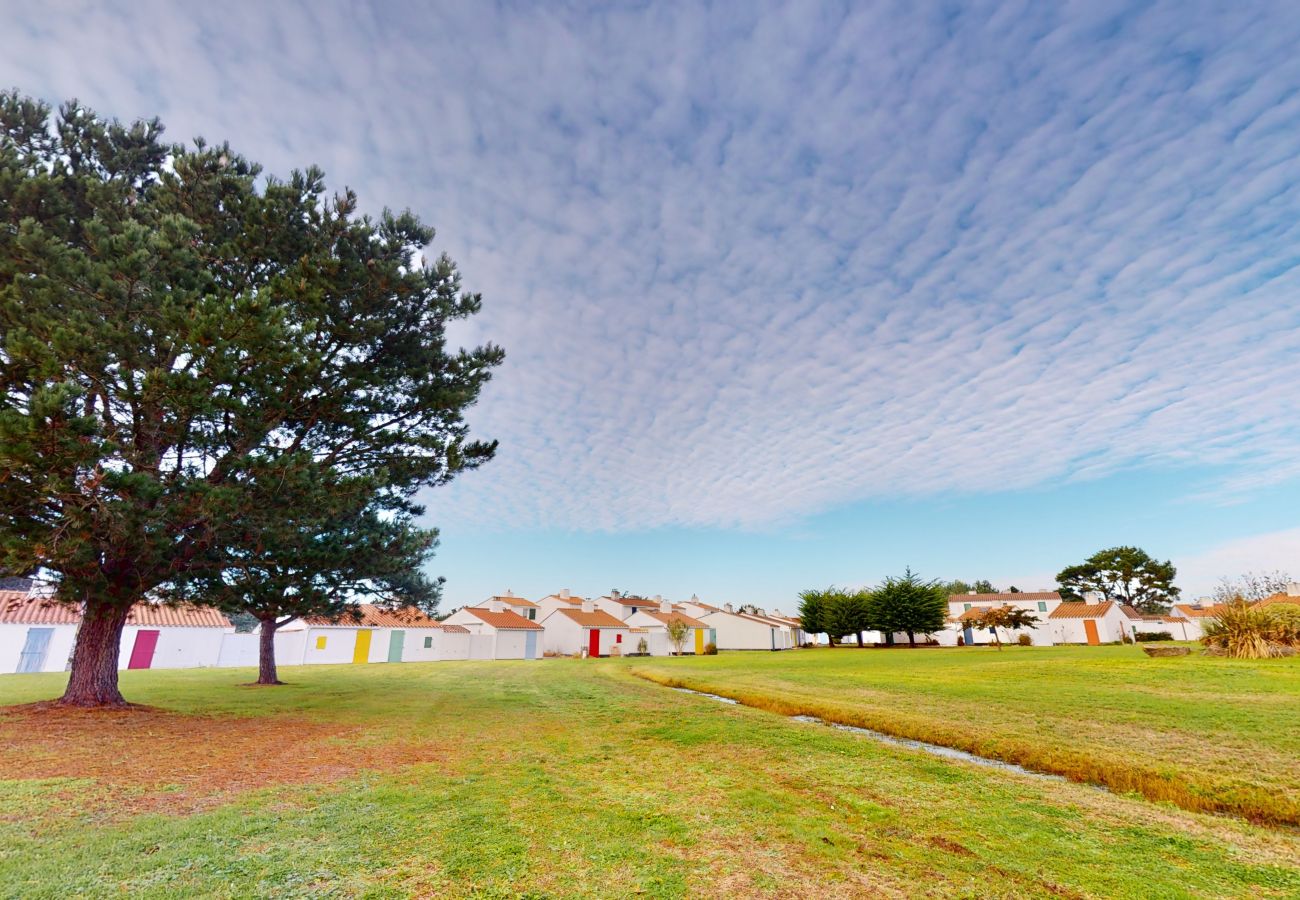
(1252, 632)
(1142, 636)
(1125, 638)
(710, 649)
(1025, 640)
(961, 640)
(642, 647)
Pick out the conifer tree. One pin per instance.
(186, 348)
(909, 605)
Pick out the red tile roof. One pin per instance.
(993, 598)
(17, 608)
(453, 629)
(1077, 610)
(673, 616)
(505, 620)
(1196, 611)
(1279, 598)
(515, 601)
(595, 619)
(372, 616)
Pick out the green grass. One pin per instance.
(1206, 733)
(573, 778)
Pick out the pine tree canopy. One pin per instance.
(194, 357)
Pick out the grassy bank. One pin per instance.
(1208, 734)
(551, 778)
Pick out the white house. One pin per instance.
(514, 637)
(37, 635)
(562, 599)
(1038, 603)
(1093, 621)
(732, 630)
(655, 622)
(622, 606)
(585, 630)
(524, 607)
(376, 634)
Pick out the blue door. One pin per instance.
(969, 635)
(530, 645)
(33, 655)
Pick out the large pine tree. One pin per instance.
(180, 340)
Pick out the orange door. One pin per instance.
(1090, 629)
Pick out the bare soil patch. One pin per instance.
(153, 760)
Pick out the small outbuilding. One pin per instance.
(656, 622)
(1088, 622)
(513, 636)
(585, 630)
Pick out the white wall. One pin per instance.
(738, 633)
(239, 650)
(13, 637)
(510, 644)
(562, 634)
(482, 646)
(177, 648)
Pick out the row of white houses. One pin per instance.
(37, 635)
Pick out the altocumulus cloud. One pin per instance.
(754, 261)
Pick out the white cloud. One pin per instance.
(1268, 552)
(752, 263)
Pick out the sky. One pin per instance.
(800, 293)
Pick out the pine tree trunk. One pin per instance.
(859, 638)
(266, 673)
(93, 680)
(911, 639)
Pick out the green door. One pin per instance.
(395, 646)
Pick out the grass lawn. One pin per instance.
(1205, 733)
(555, 778)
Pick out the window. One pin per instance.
(428, 642)
(532, 615)
(965, 606)
(320, 643)
(1042, 606)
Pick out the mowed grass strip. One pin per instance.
(1207, 734)
(572, 778)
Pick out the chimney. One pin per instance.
(509, 593)
(564, 594)
(1093, 596)
(614, 595)
(973, 593)
(665, 606)
(728, 607)
(494, 604)
(1293, 588)
(588, 605)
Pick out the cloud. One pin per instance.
(753, 262)
(1268, 552)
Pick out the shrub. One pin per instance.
(961, 640)
(1142, 636)
(710, 649)
(642, 647)
(1025, 640)
(1125, 638)
(1252, 632)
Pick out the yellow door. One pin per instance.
(699, 641)
(362, 653)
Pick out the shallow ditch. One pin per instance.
(909, 743)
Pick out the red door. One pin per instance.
(142, 652)
(593, 649)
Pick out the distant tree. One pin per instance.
(678, 632)
(179, 339)
(845, 613)
(1013, 590)
(979, 586)
(1251, 586)
(813, 610)
(908, 604)
(1011, 618)
(749, 608)
(1128, 575)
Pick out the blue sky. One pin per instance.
(800, 293)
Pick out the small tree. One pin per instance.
(1129, 575)
(909, 605)
(678, 632)
(1011, 618)
(848, 613)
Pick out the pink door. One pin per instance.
(142, 652)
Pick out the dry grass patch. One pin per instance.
(151, 760)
